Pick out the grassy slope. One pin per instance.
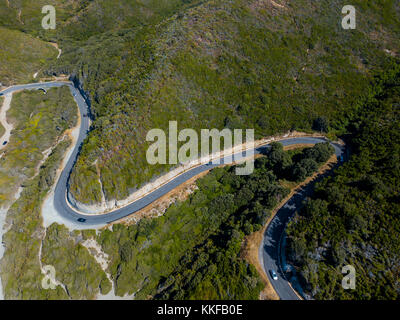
(20, 269)
(38, 121)
(237, 64)
(83, 278)
(26, 15)
(23, 42)
(22, 55)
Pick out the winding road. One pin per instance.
(270, 248)
(61, 202)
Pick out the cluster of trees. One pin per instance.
(310, 160)
(299, 166)
(214, 269)
(354, 216)
(193, 250)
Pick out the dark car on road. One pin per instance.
(81, 220)
(4, 143)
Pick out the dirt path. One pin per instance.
(277, 5)
(3, 120)
(19, 17)
(55, 45)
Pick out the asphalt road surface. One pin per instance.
(271, 246)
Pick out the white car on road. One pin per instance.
(273, 274)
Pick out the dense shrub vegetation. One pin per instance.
(149, 257)
(354, 216)
(193, 250)
(235, 64)
(238, 64)
(215, 63)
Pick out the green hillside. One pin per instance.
(268, 65)
(21, 56)
(354, 217)
(237, 64)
